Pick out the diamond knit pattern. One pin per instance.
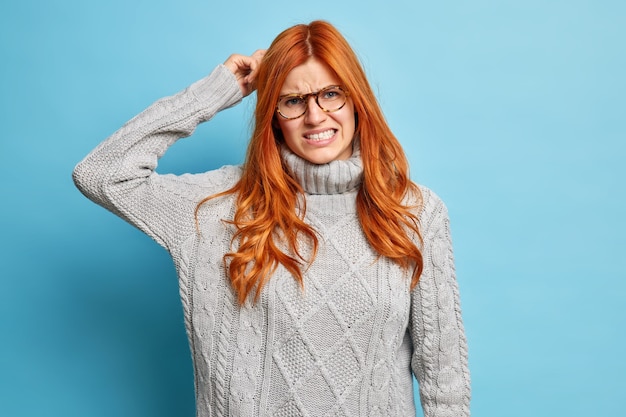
(318, 356)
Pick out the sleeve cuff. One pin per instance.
(220, 84)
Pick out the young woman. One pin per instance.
(316, 278)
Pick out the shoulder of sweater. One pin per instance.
(432, 207)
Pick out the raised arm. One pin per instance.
(440, 349)
(120, 174)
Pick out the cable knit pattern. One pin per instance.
(346, 343)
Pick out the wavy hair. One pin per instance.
(270, 229)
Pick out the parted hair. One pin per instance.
(269, 217)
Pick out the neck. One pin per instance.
(335, 177)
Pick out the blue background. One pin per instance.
(513, 111)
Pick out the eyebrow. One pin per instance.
(312, 92)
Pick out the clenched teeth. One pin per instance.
(321, 136)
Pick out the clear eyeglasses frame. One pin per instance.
(329, 99)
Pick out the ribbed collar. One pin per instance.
(335, 177)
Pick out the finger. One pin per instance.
(259, 53)
(256, 58)
(255, 62)
(238, 64)
(245, 69)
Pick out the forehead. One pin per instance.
(311, 76)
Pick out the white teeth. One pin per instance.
(321, 136)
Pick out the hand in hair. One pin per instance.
(245, 69)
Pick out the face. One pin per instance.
(317, 136)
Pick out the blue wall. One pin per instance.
(513, 111)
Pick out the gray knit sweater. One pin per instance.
(346, 344)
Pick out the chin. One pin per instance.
(320, 159)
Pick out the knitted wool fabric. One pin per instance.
(346, 344)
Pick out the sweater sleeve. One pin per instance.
(119, 174)
(439, 359)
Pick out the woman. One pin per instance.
(315, 277)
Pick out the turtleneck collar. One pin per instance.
(335, 177)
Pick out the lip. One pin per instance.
(320, 142)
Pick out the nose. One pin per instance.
(314, 115)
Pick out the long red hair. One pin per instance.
(270, 203)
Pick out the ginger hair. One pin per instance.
(270, 203)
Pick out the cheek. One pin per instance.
(351, 117)
(350, 122)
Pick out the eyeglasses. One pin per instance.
(329, 99)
